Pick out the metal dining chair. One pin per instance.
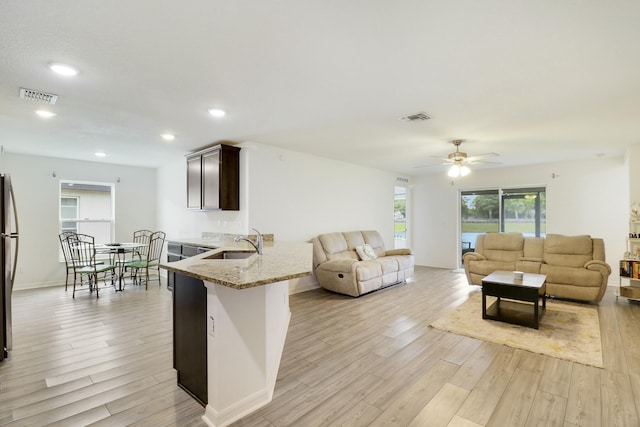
(151, 260)
(66, 251)
(143, 237)
(83, 256)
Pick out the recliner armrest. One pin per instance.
(598, 265)
(473, 256)
(338, 265)
(401, 251)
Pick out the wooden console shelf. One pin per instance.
(630, 279)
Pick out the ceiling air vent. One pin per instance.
(421, 116)
(38, 96)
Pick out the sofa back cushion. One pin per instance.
(353, 239)
(533, 247)
(503, 246)
(335, 245)
(374, 239)
(567, 251)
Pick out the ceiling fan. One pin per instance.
(459, 160)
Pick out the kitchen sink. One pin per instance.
(230, 255)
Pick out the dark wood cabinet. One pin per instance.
(194, 182)
(189, 328)
(213, 178)
(190, 335)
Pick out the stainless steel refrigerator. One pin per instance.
(8, 259)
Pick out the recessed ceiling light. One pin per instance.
(45, 114)
(63, 69)
(216, 112)
(99, 154)
(168, 136)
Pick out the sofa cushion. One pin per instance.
(503, 247)
(374, 239)
(335, 246)
(365, 252)
(533, 248)
(487, 267)
(385, 268)
(567, 251)
(353, 239)
(405, 262)
(367, 270)
(580, 277)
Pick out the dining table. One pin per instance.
(118, 256)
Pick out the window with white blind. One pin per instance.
(88, 208)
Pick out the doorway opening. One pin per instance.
(400, 217)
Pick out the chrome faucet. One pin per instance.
(257, 244)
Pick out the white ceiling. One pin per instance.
(535, 81)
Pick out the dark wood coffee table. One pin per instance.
(521, 305)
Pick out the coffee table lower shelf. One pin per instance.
(516, 313)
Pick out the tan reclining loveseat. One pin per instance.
(574, 265)
(339, 267)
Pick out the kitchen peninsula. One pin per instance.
(244, 320)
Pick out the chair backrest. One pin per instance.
(156, 243)
(83, 250)
(143, 237)
(66, 248)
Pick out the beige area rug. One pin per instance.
(569, 331)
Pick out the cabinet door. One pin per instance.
(211, 180)
(194, 183)
(190, 335)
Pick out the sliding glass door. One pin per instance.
(523, 210)
(520, 210)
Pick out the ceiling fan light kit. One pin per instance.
(458, 170)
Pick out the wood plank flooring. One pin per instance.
(368, 361)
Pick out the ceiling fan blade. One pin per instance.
(432, 165)
(482, 162)
(477, 156)
(445, 159)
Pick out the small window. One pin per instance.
(88, 208)
(69, 210)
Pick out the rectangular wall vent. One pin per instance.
(38, 96)
(421, 116)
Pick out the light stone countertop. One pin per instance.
(279, 261)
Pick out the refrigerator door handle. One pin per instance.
(15, 234)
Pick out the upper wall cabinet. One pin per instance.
(213, 178)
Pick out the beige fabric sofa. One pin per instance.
(575, 266)
(339, 268)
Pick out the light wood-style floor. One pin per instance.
(347, 362)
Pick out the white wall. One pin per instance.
(37, 197)
(585, 197)
(298, 196)
(292, 195)
(633, 162)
